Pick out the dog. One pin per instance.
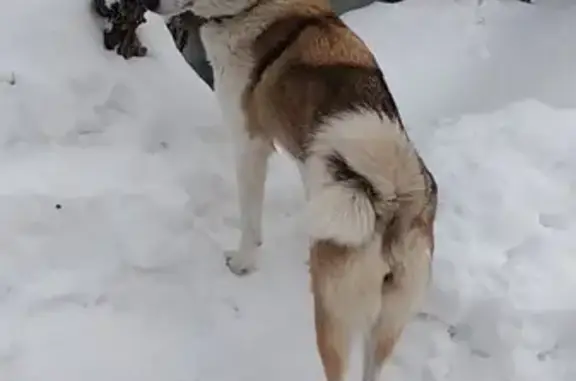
(291, 73)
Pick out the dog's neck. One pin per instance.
(219, 19)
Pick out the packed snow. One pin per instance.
(117, 201)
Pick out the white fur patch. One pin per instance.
(342, 214)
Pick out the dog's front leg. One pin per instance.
(251, 167)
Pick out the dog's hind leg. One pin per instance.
(333, 339)
(251, 167)
(346, 288)
(378, 346)
(402, 292)
(333, 330)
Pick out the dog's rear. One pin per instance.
(371, 212)
(312, 86)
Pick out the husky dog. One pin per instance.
(290, 73)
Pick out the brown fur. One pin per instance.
(310, 66)
(326, 261)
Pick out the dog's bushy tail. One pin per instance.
(359, 165)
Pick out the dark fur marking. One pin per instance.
(388, 280)
(349, 88)
(284, 32)
(343, 173)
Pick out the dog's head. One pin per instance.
(202, 8)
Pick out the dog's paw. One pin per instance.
(240, 263)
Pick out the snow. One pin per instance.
(118, 201)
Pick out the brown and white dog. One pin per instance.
(291, 73)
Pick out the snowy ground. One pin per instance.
(117, 200)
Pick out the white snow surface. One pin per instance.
(118, 199)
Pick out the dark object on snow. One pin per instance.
(182, 26)
(185, 32)
(179, 33)
(122, 19)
